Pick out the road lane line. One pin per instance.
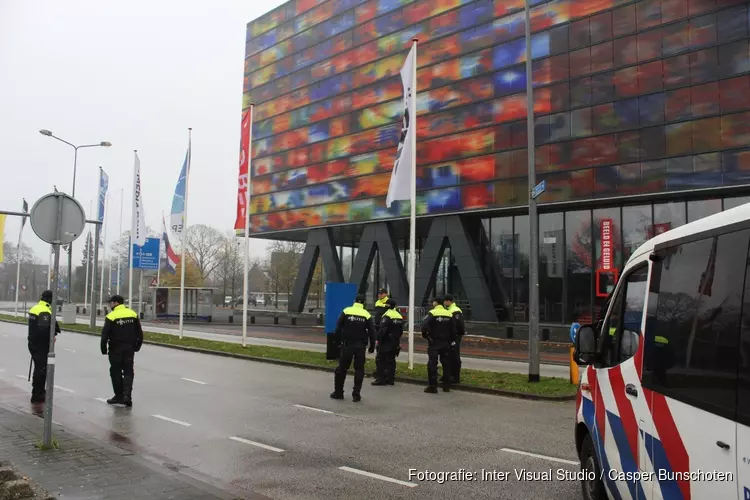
(64, 389)
(194, 381)
(171, 420)
(314, 409)
(378, 476)
(101, 399)
(70, 350)
(543, 457)
(24, 377)
(255, 443)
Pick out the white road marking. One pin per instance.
(24, 377)
(194, 381)
(171, 420)
(543, 457)
(64, 388)
(378, 476)
(313, 409)
(101, 399)
(254, 443)
(70, 350)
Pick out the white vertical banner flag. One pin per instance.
(400, 186)
(138, 229)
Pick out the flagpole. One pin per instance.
(161, 240)
(104, 251)
(88, 262)
(130, 238)
(245, 287)
(183, 263)
(119, 250)
(413, 207)
(18, 257)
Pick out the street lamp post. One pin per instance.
(103, 144)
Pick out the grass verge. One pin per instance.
(511, 383)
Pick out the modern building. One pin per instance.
(642, 123)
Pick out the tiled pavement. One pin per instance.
(86, 469)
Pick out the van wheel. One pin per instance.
(593, 487)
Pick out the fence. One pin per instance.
(419, 314)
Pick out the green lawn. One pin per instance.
(515, 382)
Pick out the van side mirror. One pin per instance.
(585, 348)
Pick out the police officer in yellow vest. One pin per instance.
(40, 318)
(381, 306)
(122, 337)
(388, 344)
(458, 316)
(354, 330)
(439, 328)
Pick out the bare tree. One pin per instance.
(228, 272)
(205, 245)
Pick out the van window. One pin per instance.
(620, 334)
(693, 332)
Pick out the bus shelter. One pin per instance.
(198, 304)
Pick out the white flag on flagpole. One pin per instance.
(138, 229)
(400, 186)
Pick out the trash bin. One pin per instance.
(68, 314)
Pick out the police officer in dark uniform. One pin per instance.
(380, 308)
(122, 337)
(354, 330)
(388, 344)
(439, 328)
(40, 317)
(458, 316)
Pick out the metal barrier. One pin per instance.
(419, 314)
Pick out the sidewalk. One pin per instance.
(86, 469)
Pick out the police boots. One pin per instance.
(127, 391)
(338, 390)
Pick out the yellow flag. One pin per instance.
(2, 235)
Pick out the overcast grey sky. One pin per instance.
(137, 74)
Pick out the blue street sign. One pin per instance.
(147, 256)
(539, 189)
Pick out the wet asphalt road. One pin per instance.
(272, 430)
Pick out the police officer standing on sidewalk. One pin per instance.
(40, 317)
(380, 308)
(388, 344)
(354, 330)
(122, 337)
(439, 328)
(458, 316)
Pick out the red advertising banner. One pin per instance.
(606, 242)
(243, 180)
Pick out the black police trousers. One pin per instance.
(385, 365)
(445, 354)
(39, 379)
(121, 371)
(349, 353)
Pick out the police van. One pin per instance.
(663, 406)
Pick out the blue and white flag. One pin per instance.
(177, 216)
(103, 186)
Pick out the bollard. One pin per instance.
(574, 375)
(78, 309)
(252, 320)
(509, 332)
(275, 320)
(141, 315)
(319, 320)
(98, 312)
(545, 334)
(294, 321)
(231, 318)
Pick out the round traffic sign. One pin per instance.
(53, 207)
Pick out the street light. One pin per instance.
(103, 144)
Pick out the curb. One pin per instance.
(306, 366)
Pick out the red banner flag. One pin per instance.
(243, 181)
(606, 243)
